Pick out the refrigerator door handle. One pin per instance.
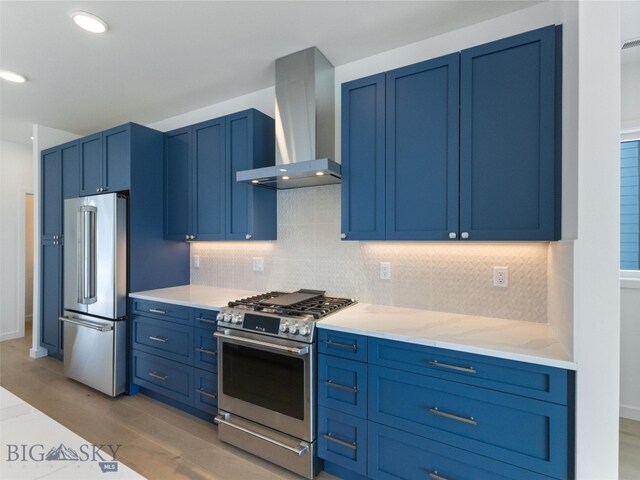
(87, 254)
(94, 326)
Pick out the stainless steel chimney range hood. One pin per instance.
(305, 125)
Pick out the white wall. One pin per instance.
(43, 138)
(630, 288)
(16, 179)
(596, 252)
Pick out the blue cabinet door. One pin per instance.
(508, 162)
(363, 159)
(90, 164)
(208, 174)
(239, 146)
(70, 157)
(422, 150)
(177, 192)
(116, 143)
(51, 301)
(51, 193)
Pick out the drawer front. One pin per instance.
(165, 311)
(345, 345)
(170, 340)
(342, 439)
(205, 391)
(205, 352)
(535, 381)
(395, 454)
(171, 379)
(342, 385)
(528, 433)
(205, 319)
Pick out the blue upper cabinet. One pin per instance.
(422, 150)
(508, 165)
(462, 147)
(51, 193)
(203, 201)
(105, 161)
(70, 157)
(363, 159)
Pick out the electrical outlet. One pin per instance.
(258, 264)
(501, 277)
(195, 261)
(385, 271)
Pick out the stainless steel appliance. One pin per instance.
(95, 283)
(267, 375)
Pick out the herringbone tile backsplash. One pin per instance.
(452, 277)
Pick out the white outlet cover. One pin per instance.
(196, 261)
(501, 277)
(385, 271)
(258, 264)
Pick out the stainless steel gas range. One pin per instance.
(267, 375)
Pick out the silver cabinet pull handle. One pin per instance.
(329, 436)
(470, 420)
(208, 352)
(464, 235)
(186, 237)
(213, 322)
(332, 344)
(298, 451)
(156, 310)
(207, 394)
(158, 339)
(265, 345)
(434, 474)
(248, 236)
(337, 386)
(453, 235)
(436, 363)
(343, 236)
(159, 376)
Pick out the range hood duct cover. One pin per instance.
(305, 125)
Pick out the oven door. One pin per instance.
(267, 380)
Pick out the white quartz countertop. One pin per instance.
(508, 339)
(197, 296)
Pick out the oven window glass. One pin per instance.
(270, 380)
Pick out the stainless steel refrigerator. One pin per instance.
(95, 284)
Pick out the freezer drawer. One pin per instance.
(95, 352)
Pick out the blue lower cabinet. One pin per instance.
(520, 431)
(396, 454)
(166, 377)
(205, 350)
(342, 385)
(167, 339)
(342, 440)
(340, 344)
(206, 391)
(205, 319)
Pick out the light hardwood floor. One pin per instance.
(158, 441)
(161, 442)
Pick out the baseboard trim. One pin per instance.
(10, 336)
(632, 413)
(38, 352)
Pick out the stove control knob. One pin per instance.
(226, 318)
(236, 319)
(220, 316)
(284, 327)
(305, 330)
(293, 329)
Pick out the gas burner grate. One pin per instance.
(316, 307)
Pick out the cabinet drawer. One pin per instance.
(205, 319)
(395, 454)
(205, 391)
(167, 339)
(342, 439)
(535, 381)
(171, 379)
(345, 345)
(205, 350)
(163, 310)
(342, 385)
(528, 433)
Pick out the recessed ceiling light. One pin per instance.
(319, 173)
(31, 137)
(12, 76)
(89, 22)
(285, 178)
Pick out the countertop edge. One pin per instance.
(518, 357)
(182, 303)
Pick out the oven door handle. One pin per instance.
(265, 345)
(298, 451)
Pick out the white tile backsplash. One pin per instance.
(454, 277)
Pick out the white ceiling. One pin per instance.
(160, 59)
(163, 58)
